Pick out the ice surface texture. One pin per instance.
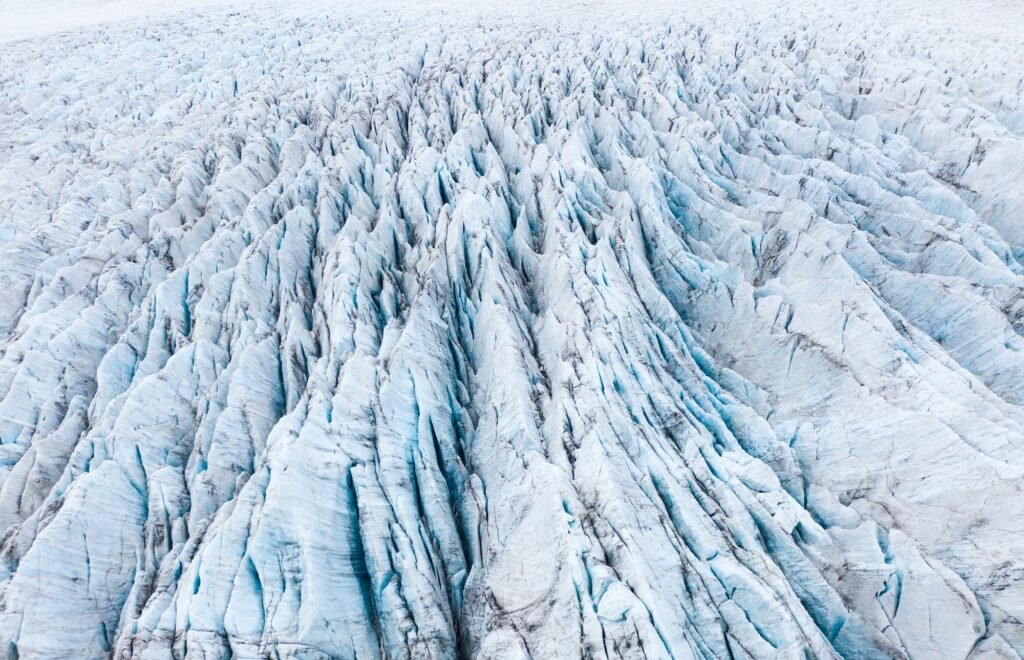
(524, 332)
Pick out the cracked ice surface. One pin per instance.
(543, 332)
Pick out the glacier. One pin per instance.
(438, 330)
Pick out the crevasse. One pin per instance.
(529, 333)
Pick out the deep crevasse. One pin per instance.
(534, 332)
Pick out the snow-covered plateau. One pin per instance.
(332, 329)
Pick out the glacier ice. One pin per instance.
(514, 332)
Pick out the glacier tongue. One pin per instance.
(531, 332)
